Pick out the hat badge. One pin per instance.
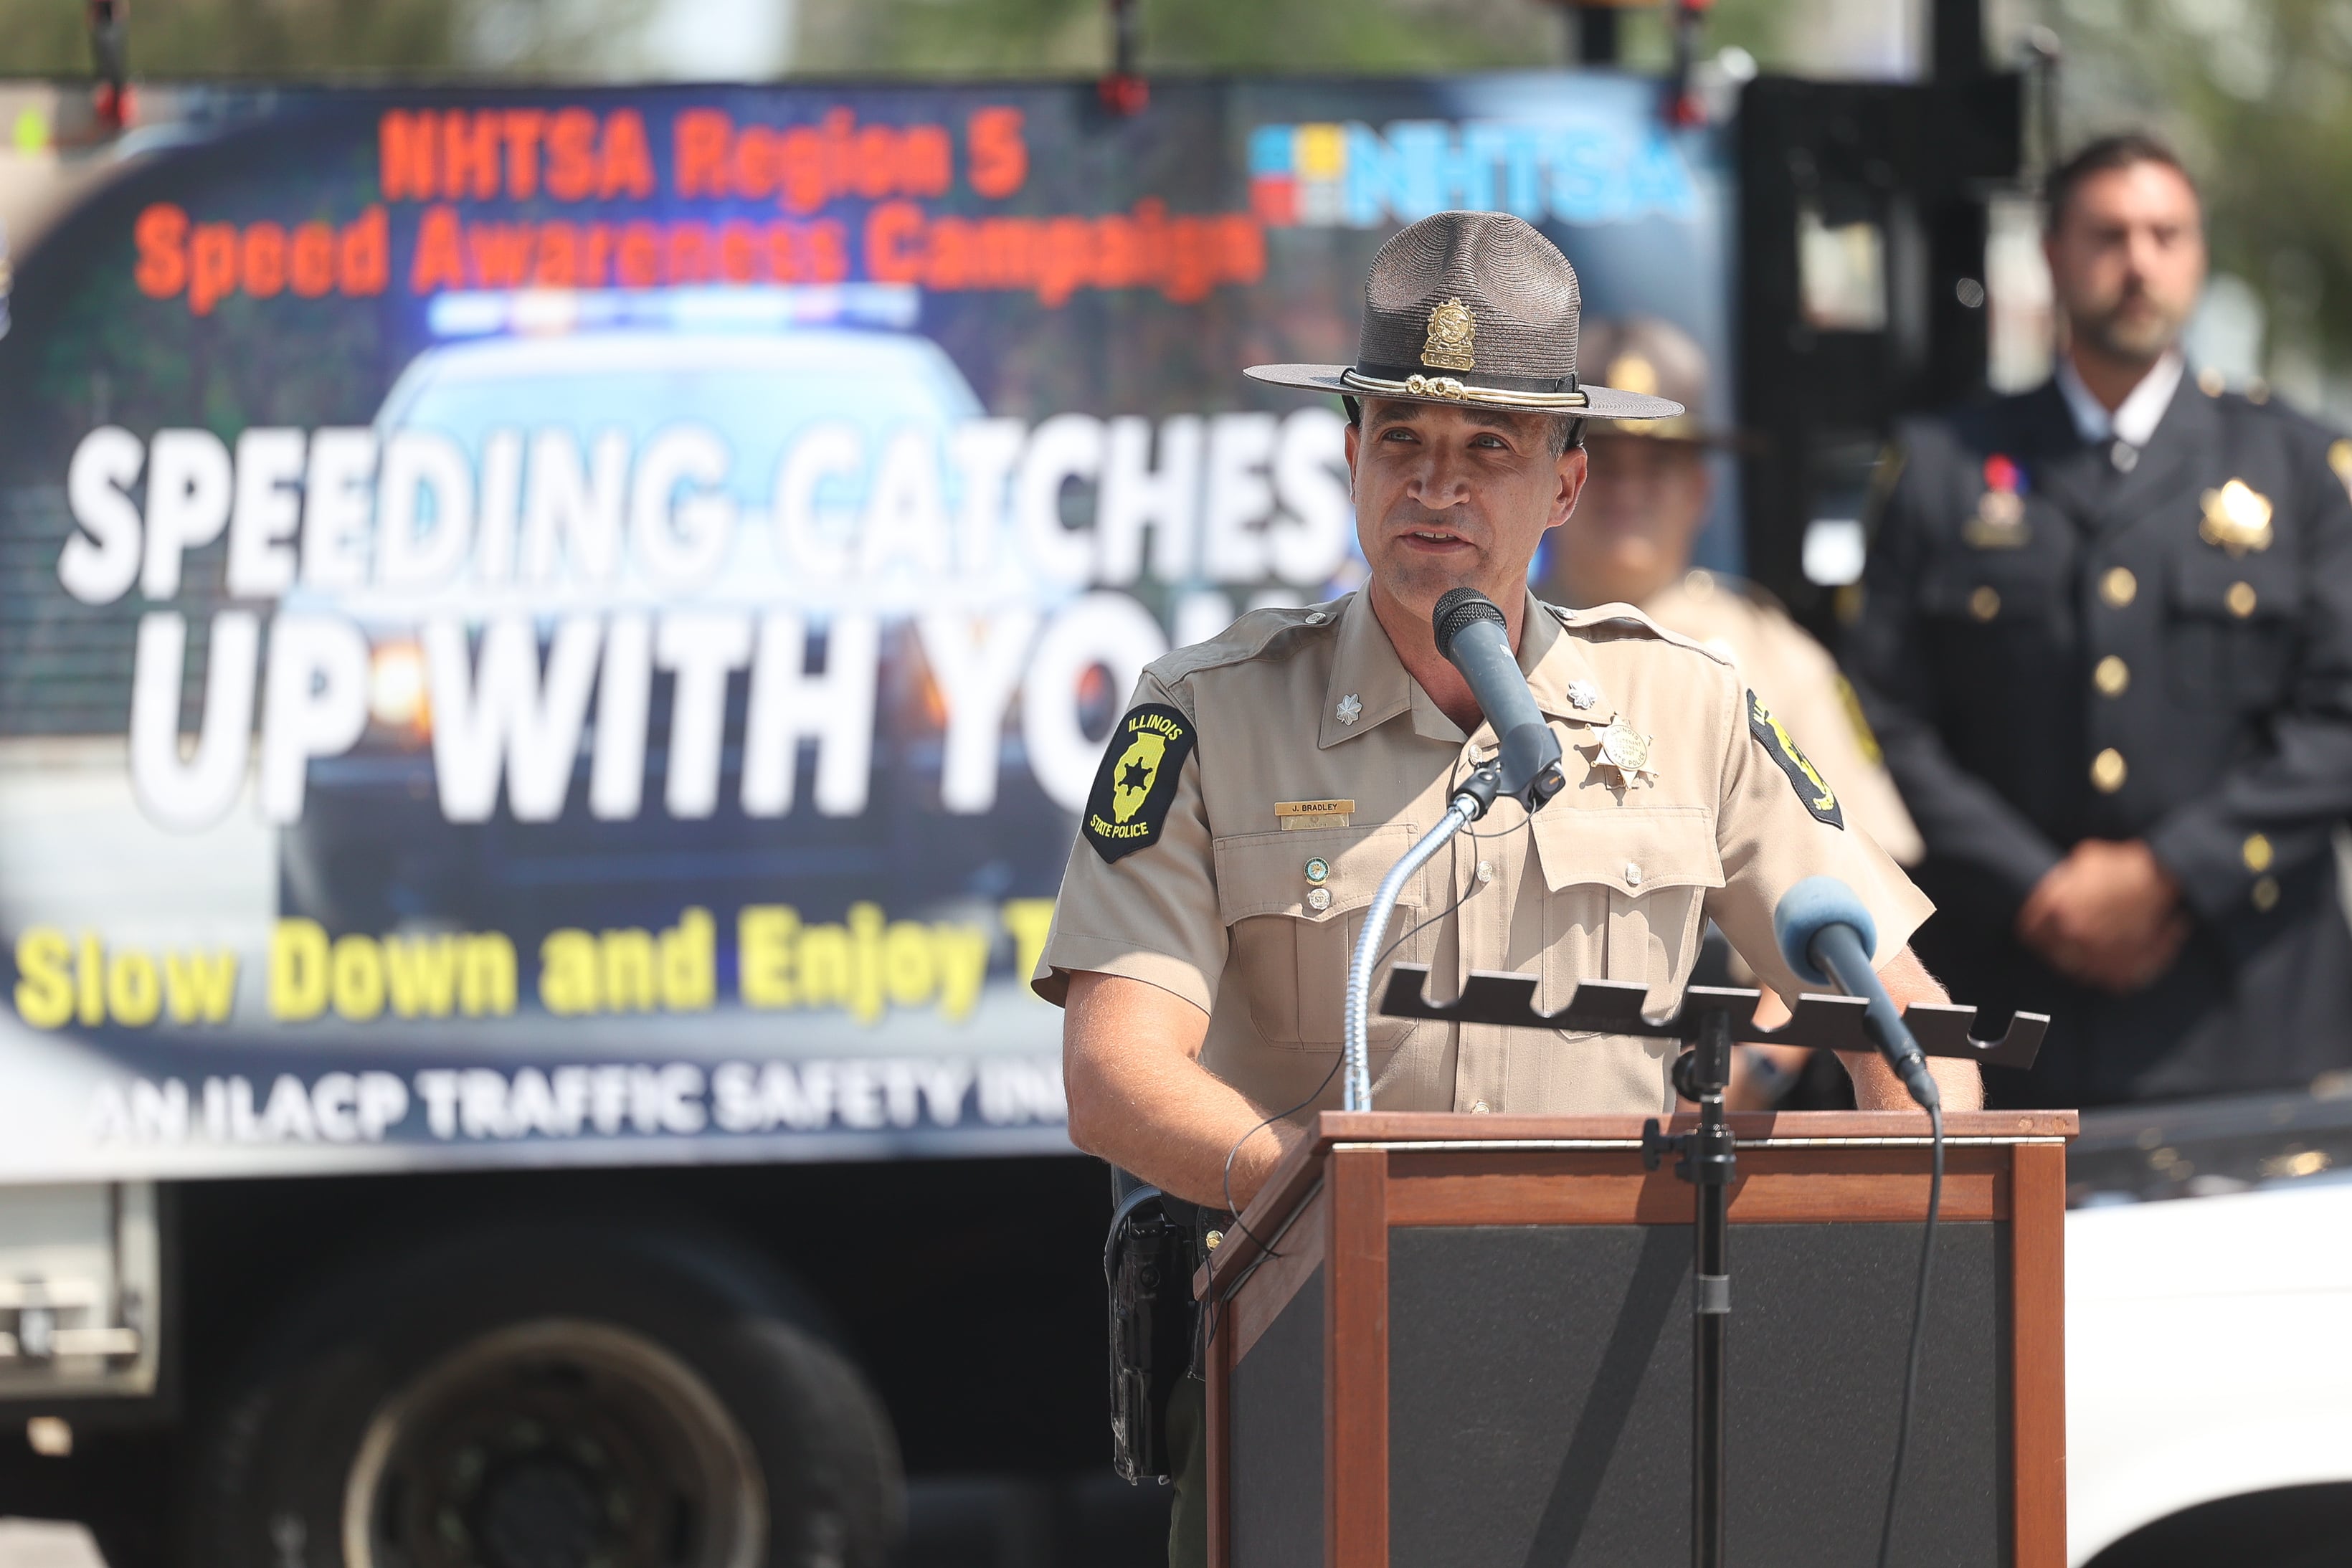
(1450, 326)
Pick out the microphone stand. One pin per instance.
(1709, 1162)
(1470, 803)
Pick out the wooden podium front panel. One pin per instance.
(1540, 1381)
(1496, 1332)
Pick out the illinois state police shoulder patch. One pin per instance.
(1811, 788)
(1129, 803)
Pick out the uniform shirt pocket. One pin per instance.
(1625, 892)
(2229, 644)
(1291, 956)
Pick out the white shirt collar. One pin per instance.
(2136, 419)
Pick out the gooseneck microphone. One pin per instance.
(1473, 637)
(1827, 935)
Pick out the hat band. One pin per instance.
(1453, 390)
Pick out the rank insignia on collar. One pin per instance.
(1350, 708)
(2000, 521)
(1582, 695)
(2237, 519)
(1782, 747)
(1137, 784)
(1624, 751)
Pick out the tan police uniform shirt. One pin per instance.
(1797, 679)
(1186, 876)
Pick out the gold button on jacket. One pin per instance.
(1214, 909)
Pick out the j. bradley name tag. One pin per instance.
(1313, 813)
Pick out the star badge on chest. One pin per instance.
(2237, 519)
(1625, 752)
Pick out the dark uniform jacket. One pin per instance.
(2120, 651)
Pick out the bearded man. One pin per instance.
(2107, 647)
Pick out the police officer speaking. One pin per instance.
(2106, 644)
(1262, 783)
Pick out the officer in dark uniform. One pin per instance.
(2107, 643)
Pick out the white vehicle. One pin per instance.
(2209, 1316)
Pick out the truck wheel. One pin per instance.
(555, 1398)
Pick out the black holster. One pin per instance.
(1155, 1243)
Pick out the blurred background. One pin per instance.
(947, 1257)
(2259, 89)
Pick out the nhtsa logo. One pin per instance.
(1351, 176)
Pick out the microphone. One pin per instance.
(1827, 935)
(1473, 638)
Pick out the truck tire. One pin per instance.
(553, 1397)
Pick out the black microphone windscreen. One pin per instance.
(1458, 608)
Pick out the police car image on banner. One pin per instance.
(1811, 786)
(1129, 800)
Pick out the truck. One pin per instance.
(552, 640)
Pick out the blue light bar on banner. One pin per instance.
(540, 312)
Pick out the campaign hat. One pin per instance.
(1647, 354)
(1475, 309)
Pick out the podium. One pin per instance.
(1450, 1340)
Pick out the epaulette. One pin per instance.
(2256, 399)
(1756, 593)
(1600, 615)
(1248, 638)
(1700, 581)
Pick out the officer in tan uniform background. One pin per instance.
(1630, 542)
(1262, 783)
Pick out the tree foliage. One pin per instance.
(331, 37)
(2257, 94)
(1049, 37)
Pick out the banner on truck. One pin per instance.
(561, 625)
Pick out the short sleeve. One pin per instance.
(1147, 912)
(1779, 823)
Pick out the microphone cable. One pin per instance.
(1526, 824)
(1918, 1329)
(1266, 1249)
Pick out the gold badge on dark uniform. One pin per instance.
(2237, 519)
(1129, 803)
(1450, 326)
(1811, 788)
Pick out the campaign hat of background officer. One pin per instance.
(1644, 355)
(1476, 309)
